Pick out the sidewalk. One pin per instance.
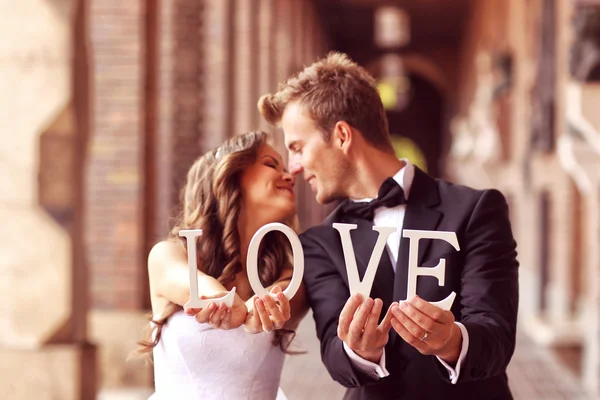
(533, 373)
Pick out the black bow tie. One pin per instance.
(390, 195)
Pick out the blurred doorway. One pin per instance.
(418, 127)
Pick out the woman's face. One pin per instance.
(268, 188)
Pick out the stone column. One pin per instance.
(115, 197)
(218, 72)
(582, 157)
(555, 323)
(245, 74)
(43, 274)
(584, 149)
(266, 53)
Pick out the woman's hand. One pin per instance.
(266, 314)
(220, 316)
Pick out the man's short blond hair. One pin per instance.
(333, 89)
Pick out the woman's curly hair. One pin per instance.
(211, 201)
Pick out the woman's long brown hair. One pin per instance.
(211, 201)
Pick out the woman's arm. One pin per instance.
(169, 274)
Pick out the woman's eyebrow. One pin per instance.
(272, 158)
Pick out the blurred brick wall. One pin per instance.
(524, 172)
(115, 172)
(171, 80)
(546, 205)
(175, 106)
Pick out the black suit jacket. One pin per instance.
(484, 274)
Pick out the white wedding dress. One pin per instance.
(194, 361)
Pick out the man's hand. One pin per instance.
(428, 328)
(358, 327)
(220, 316)
(267, 314)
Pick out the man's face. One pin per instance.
(321, 163)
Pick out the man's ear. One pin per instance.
(343, 136)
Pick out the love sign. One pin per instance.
(356, 285)
(251, 265)
(364, 287)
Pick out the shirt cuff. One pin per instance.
(366, 366)
(454, 373)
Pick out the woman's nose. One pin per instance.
(288, 177)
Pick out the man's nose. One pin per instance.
(295, 168)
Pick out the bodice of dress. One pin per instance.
(195, 361)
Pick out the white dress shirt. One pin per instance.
(395, 217)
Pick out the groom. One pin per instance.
(383, 347)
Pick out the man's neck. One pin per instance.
(372, 168)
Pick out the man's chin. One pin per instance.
(324, 199)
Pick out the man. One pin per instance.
(388, 346)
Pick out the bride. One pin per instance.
(220, 352)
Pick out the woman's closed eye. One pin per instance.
(271, 162)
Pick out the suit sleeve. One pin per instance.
(489, 289)
(327, 294)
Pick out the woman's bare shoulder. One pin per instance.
(164, 251)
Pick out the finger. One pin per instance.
(276, 289)
(373, 318)
(357, 325)
(386, 323)
(204, 315)
(267, 324)
(272, 307)
(428, 324)
(226, 318)
(284, 306)
(275, 314)
(433, 312)
(408, 323)
(408, 337)
(192, 311)
(215, 318)
(347, 313)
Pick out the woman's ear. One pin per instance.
(342, 135)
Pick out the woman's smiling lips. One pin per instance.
(288, 189)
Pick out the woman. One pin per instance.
(226, 353)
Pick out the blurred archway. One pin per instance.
(417, 128)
